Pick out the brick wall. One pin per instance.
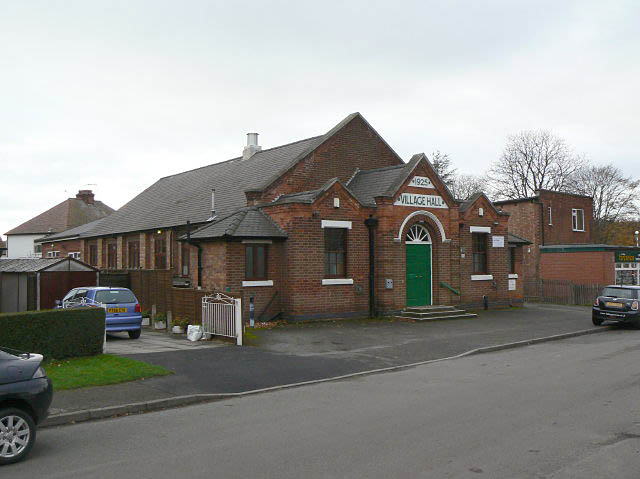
(562, 204)
(64, 247)
(356, 145)
(584, 267)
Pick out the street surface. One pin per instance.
(563, 409)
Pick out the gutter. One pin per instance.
(371, 224)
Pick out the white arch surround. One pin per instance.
(430, 215)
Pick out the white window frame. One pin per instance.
(574, 219)
(550, 217)
(74, 254)
(53, 254)
(336, 224)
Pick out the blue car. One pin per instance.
(121, 305)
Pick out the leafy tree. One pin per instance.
(614, 198)
(464, 186)
(441, 162)
(534, 160)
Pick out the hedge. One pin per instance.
(54, 333)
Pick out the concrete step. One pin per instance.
(424, 309)
(437, 318)
(429, 314)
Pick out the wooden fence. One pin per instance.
(561, 292)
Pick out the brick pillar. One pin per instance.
(120, 252)
(83, 248)
(100, 257)
(143, 251)
(170, 252)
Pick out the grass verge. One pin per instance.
(98, 371)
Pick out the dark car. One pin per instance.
(617, 303)
(25, 396)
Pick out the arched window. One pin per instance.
(418, 234)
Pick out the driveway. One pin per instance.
(153, 342)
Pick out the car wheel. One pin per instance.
(17, 435)
(596, 321)
(134, 334)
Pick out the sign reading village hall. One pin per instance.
(421, 201)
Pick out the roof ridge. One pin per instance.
(238, 158)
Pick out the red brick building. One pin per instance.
(549, 218)
(332, 226)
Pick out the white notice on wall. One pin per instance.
(498, 241)
(512, 284)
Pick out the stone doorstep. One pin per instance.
(431, 314)
(426, 309)
(437, 318)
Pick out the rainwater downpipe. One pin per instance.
(371, 224)
(197, 245)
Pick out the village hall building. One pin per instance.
(337, 225)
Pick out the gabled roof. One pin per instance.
(186, 196)
(246, 223)
(76, 232)
(367, 184)
(310, 196)
(33, 265)
(70, 213)
(465, 205)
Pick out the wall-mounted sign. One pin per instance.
(512, 285)
(498, 241)
(421, 182)
(631, 256)
(420, 201)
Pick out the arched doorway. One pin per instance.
(418, 253)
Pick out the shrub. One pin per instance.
(54, 333)
(183, 322)
(160, 317)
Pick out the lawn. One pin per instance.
(98, 371)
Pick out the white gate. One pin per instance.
(222, 316)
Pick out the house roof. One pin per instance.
(246, 223)
(70, 213)
(367, 184)
(186, 196)
(70, 233)
(33, 265)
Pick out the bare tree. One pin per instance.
(614, 197)
(441, 162)
(464, 186)
(531, 161)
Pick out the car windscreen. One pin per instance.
(620, 293)
(115, 296)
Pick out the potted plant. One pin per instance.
(160, 322)
(146, 318)
(179, 325)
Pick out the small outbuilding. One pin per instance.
(36, 283)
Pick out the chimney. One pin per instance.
(252, 146)
(86, 196)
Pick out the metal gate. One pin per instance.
(222, 316)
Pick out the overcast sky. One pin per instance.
(112, 95)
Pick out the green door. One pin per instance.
(418, 274)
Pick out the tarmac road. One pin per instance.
(563, 409)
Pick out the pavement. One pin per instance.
(303, 352)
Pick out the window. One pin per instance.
(53, 254)
(37, 248)
(512, 260)
(578, 219)
(628, 274)
(134, 254)
(256, 261)
(479, 243)
(112, 255)
(93, 255)
(185, 260)
(550, 217)
(74, 254)
(335, 248)
(160, 254)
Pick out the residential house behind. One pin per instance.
(70, 213)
